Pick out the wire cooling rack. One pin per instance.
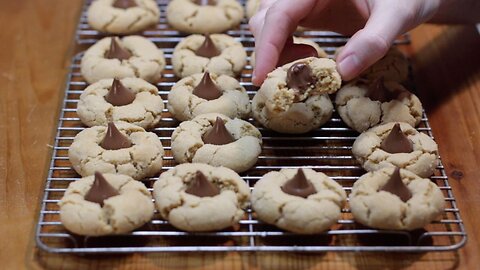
(327, 149)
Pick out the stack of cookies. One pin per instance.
(214, 141)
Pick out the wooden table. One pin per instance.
(36, 44)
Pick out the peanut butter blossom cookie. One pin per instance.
(204, 16)
(217, 54)
(294, 97)
(217, 140)
(131, 100)
(363, 106)
(104, 204)
(298, 200)
(396, 145)
(200, 197)
(122, 16)
(395, 199)
(205, 93)
(119, 147)
(131, 56)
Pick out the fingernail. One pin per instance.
(349, 67)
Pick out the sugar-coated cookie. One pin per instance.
(130, 56)
(119, 147)
(204, 16)
(364, 106)
(205, 93)
(298, 200)
(122, 16)
(396, 144)
(216, 53)
(104, 204)
(200, 197)
(395, 199)
(217, 140)
(130, 100)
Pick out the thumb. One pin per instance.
(372, 42)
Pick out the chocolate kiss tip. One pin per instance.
(396, 186)
(294, 51)
(299, 185)
(119, 95)
(124, 4)
(100, 190)
(114, 139)
(300, 77)
(207, 89)
(396, 141)
(218, 134)
(207, 48)
(116, 51)
(201, 187)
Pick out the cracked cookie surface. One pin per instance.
(145, 110)
(376, 208)
(143, 159)
(123, 213)
(313, 214)
(360, 112)
(189, 17)
(193, 213)
(147, 61)
(184, 105)
(240, 155)
(421, 161)
(102, 16)
(230, 62)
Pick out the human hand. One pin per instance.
(374, 24)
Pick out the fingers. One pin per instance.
(372, 42)
(280, 20)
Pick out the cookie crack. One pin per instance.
(110, 22)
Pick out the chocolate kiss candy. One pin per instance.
(100, 190)
(299, 185)
(378, 92)
(116, 51)
(396, 141)
(124, 4)
(206, 2)
(218, 134)
(208, 48)
(114, 139)
(396, 186)
(300, 77)
(201, 187)
(119, 95)
(292, 52)
(207, 89)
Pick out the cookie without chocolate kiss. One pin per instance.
(114, 139)
(201, 187)
(396, 186)
(100, 190)
(119, 95)
(116, 51)
(207, 89)
(218, 134)
(396, 141)
(208, 48)
(124, 4)
(299, 185)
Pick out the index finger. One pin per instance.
(281, 19)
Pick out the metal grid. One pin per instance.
(327, 149)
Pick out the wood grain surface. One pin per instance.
(36, 44)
